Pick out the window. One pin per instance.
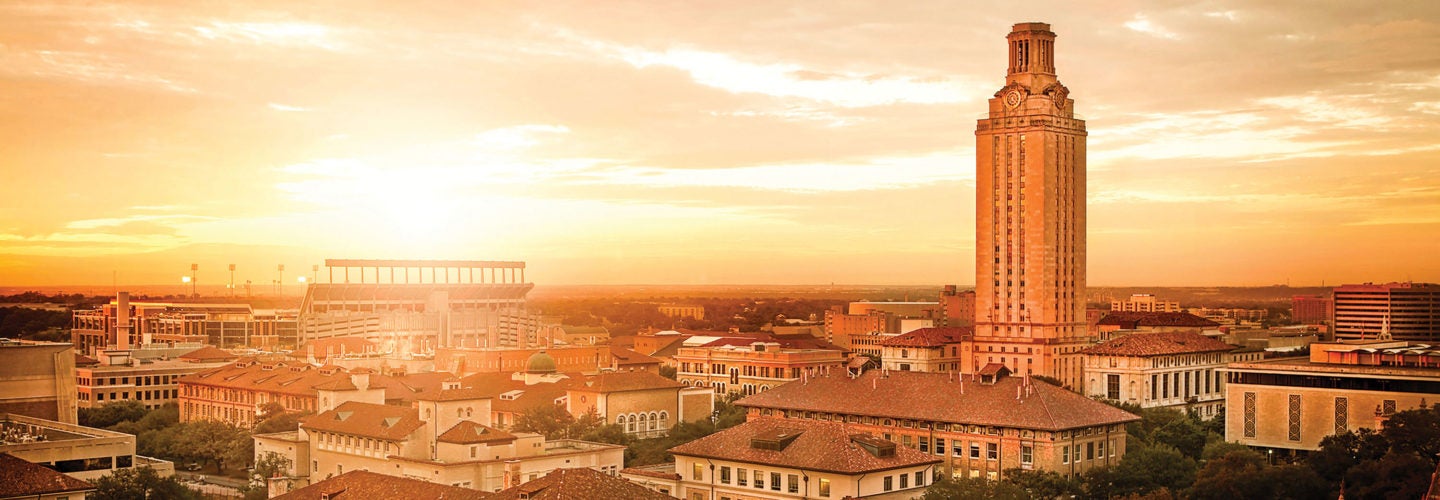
(919, 478)
(958, 448)
(924, 444)
(775, 481)
(741, 479)
(904, 481)
(824, 487)
(725, 474)
(939, 446)
(1100, 449)
(697, 471)
(889, 483)
(1112, 386)
(1027, 454)
(759, 480)
(1090, 450)
(1154, 386)
(1064, 454)
(1076, 457)
(1112, 447)
(992, 451)
(975, 451)
(792, 483)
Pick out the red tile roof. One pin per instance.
(872, 394)
(1159, 344)
(818, 446)
(494, 384)
(83, 360)
(930, 337)
(626, 357)
(365, 485)
(467, 432)
(391, 423)
(334, 345)
(624, 381)
(208, 353)
(1130, 320)
(580, 484)
(19, 478)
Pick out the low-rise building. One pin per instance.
(441, 438)
(1153, 322)
(578, 483)
(980, 424)
(776, 458)
(1160, 370)
(236, 392)
(371, 485)
(1293, 403)
(122, 324)
(150, 379)
(1144, 302)
(22, 479)
(682, 311)
(80, 452)
(727, 368)
(938, 349)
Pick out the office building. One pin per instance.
(124, 324)
(1144, 302)
(1411, 311)
(1310, 309)
(145, 375)
(1030, 217)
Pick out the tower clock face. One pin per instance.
(1012, 98)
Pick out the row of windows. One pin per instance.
(938, 426)
(152, 395)
(644, 422)
(1093, 450)
(139, 380)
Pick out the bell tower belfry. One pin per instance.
(1030, 219)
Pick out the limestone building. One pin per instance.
(1030, 218)
(928, 350)
(751, 367)
(79, 452)
(1177, 370)
(1293, 403)
(37, 379)
(145, 375)
(980, 425)
(1144, 302)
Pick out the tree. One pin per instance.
(1338, 453)
(668, 372)
(272, 465)
(1142, 471)
(1395, 475)
(1415, 431)
(213, 442)
(973, 489)
(278, 422)
(111, 413)
(1045, 484)
(546, 419)
(140, 483)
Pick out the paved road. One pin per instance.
(213, 484)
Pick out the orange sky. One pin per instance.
(1230, 142)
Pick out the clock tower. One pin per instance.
(1030, 219)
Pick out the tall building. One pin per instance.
(1030, 218)
(1310, 309)
(1408, 311)
(123, 324)
(37, 379)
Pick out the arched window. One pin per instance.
(653, 423)
(664, 420)
(630, 424)
(459, 412)
(469, 412)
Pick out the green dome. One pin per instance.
(540, 363)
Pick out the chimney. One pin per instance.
(122, 320)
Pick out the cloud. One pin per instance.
(1141, 23)
(285, 107)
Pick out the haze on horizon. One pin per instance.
(1231, 143)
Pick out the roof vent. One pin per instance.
(774, 440)
(342, 415)
(876, 447)
(389, 422)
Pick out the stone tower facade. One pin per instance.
(1030, 219)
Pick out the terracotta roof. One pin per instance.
(278, 376)
(366, 419)
(788, 342)
(812, 445)
(635, 380)
(893, 396)
(493, 385)
(334, 345)
(467, 432)
(991, 369)
(365, 485)
(1131, 320)
(652, 472)
(625, 357)
(930, 337)
(1158, 344)
(580, 484)
(83, 360)
(208, 353)
(19, 477)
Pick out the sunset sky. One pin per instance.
(1231, 143)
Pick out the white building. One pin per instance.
(1160, 370)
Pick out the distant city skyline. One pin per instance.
(1230, 143)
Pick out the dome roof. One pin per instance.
(540, 363)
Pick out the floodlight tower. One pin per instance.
(232, 281)
(280, 283)
(194, 268)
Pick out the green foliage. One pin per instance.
(1217, 448)
(1395, 475)
(34, 324)
(1143, 470)
(974, 489)
(1045, 484)
(1395, 462)
(278, 422)
(111, 413)
(141, 482)
(668, 372)
(549, 420)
